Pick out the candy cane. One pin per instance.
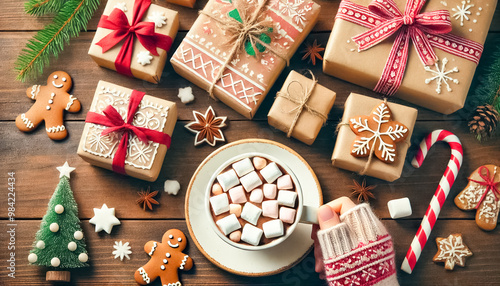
(440, 195)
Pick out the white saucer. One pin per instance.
(246, 262)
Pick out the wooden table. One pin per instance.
(34, 157)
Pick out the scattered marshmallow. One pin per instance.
(251, 181)
(216, 189)
(273, 228)
(399, 208)
(228, 180)
(172, 187)
(229, 224)
(237, 195)
(186, 94)
(235, 236)
(243, 167)
(259, 163)
(251, 234)
(271, 172)
(256, 196)
(287, 198)
(220, 204)
(287, 215)
(285, 182)
(235, 209)
(270, 191)
(251, 213)
(270, 208)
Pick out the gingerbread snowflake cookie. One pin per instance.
(452, 251)
(482, 193)
(166, 259)
(50, 102)
(377, 133)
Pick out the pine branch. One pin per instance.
(69, 21)
(42, 7)
(489, 86)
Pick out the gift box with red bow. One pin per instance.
(423, 52)
(237, 49)
(127, 131)
(133, 38)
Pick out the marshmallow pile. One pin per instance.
(253, 198)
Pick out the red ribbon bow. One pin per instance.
(115, 122)
(122, 30)
(426, 30)
(490, 184)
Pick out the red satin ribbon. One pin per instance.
(121, 30)
(489, 183)
(115, 122)
(426, 30)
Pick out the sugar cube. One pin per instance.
(251, 181)
(243, 167)
(251, 234)
(271, 172)
(287, 198)
(273, 228)
(228, 180)
(251, 213)
(220, 203)
(229, 224)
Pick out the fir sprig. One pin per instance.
(72, 17)
(42, 7)
(488, 88)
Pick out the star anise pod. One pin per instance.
(362, 191)
(146, 198)
(312, 52)
(207, 127)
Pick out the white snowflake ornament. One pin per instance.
(122, 6)
(122, 250)
(462, 12)
(144, 58)
(441, 75)
(158, 18)
(186, 94)
(104, 219)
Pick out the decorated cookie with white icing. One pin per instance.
(166, 259)
(50, 102)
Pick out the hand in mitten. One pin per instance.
(353, 248)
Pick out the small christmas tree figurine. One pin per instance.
(59, 242)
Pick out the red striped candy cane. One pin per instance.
(440, 195)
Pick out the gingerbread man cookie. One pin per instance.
(166, 259)
(50, 102)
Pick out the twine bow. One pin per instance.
(427, 30)
(118, 22)
(244, 30)
(301, 101)
(489, 183)
(115, 122)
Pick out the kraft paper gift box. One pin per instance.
(299, 116)
(359, 105)
(420, 85)
(248, 75)
(143, 160)
(186, 3)
(143, 63)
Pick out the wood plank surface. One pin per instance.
(33, 157)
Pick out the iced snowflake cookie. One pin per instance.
(482, 193)
(451, 251)
(50, 102)
(377, 133)
(166, 259)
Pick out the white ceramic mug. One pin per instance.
(305, 214)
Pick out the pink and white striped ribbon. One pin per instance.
(440, 195)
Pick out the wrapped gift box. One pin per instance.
(144, 65)
(359, 105)
(420, 84)
(291, 109)
(142, 161)
(248, 76)
(186, 3)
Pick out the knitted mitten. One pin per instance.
(358, 251)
